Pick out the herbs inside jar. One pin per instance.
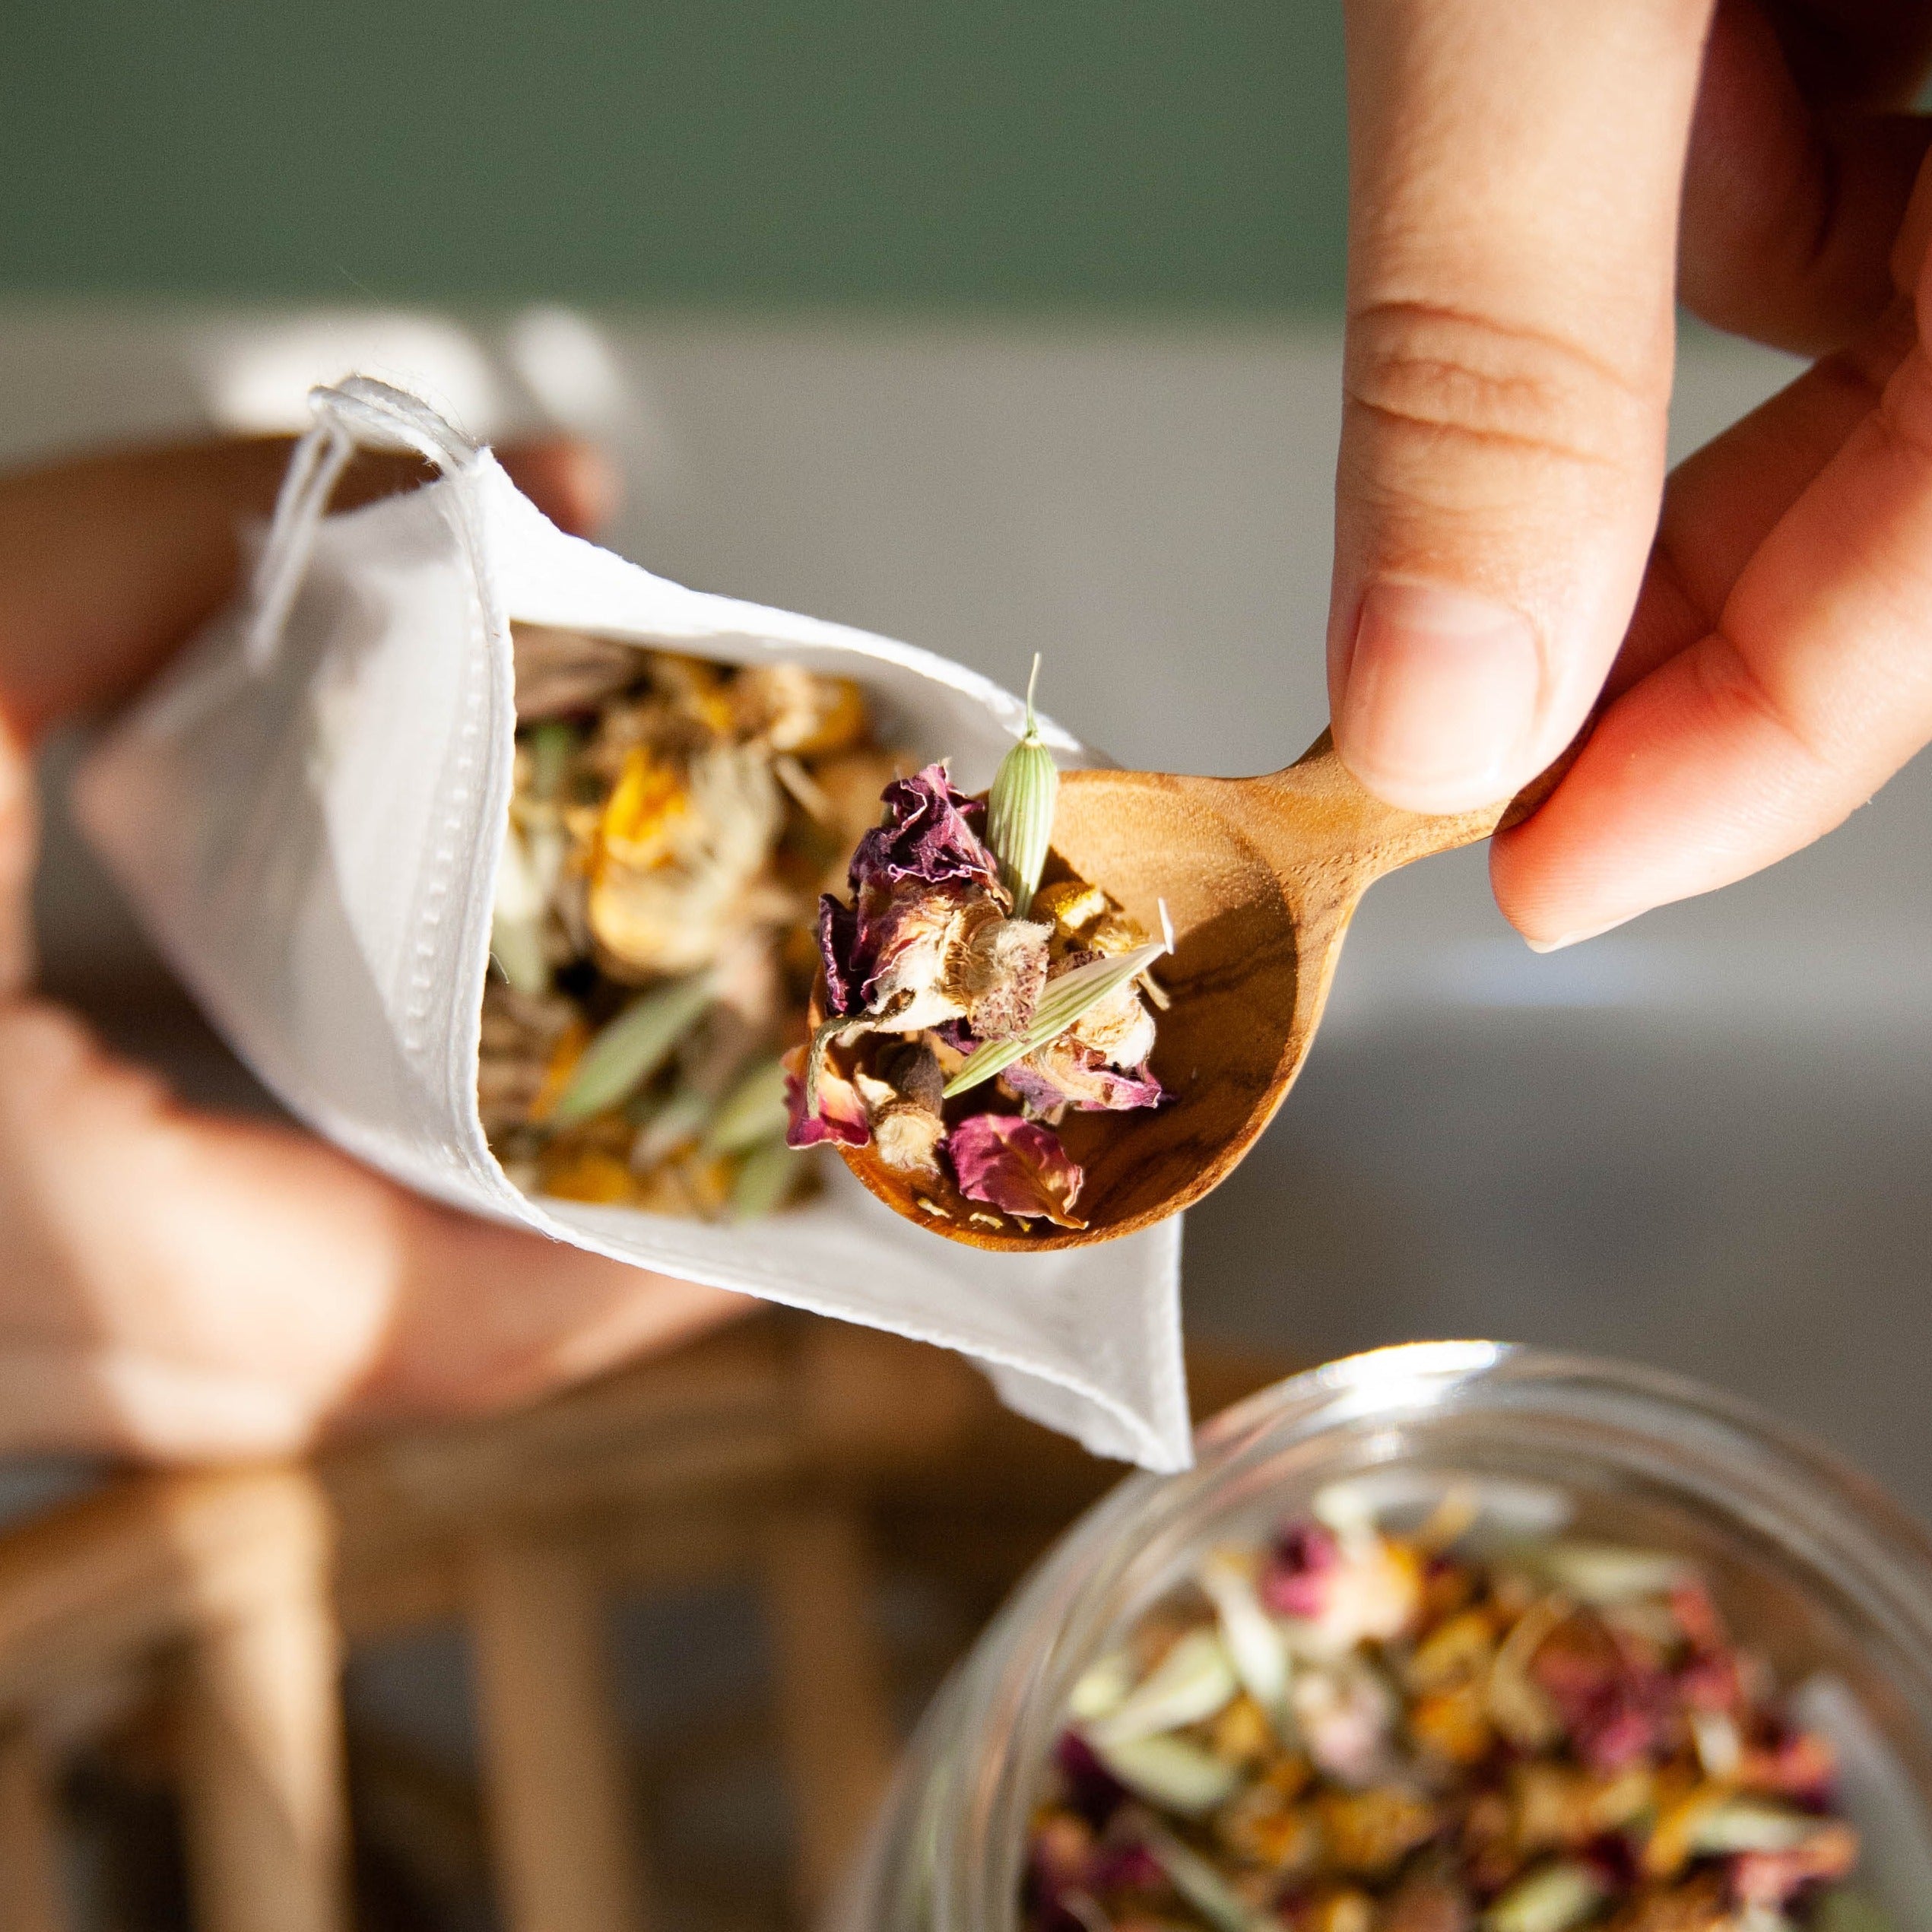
(1345, 1730)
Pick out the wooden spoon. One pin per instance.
(1260, 876)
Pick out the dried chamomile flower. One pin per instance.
(652, 935)
(681, 857)
(801, 713)
(902, 1106)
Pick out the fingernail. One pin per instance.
(1442, 692)
(1578, 938)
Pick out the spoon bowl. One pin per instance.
(1260, 876)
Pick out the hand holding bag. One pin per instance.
(308, 813)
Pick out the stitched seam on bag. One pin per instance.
(438, 907)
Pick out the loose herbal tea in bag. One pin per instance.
(309, 813)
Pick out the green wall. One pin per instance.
(1039, 154)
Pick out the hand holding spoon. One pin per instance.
(1260, 876)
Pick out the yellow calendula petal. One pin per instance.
(644, 808)
(1072, 903)
(561, 1065)
(587, 1174)
(841, 720)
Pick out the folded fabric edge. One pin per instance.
(1161, 1438)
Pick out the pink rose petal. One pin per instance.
(1017, 1166)
(841, 1115)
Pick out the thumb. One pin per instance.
(1515, 173)
(19, 841)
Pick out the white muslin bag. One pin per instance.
(308, 811)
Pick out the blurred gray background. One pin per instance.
(1009, 328)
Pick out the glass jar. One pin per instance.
(1815, 1566)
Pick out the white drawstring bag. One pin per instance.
(308, 812)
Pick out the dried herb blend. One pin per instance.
(966, 1008)
(1349, 1731)
(672, 825)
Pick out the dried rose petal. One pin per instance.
(1017, 1165)
(927, 835)
(1127, 1868)
(914, 880)
(1061, 1854)
(838, 946)
(1770, 1878)
(1711, 1683)
(906, 947)
(1065, 1074)
(1800, 1765)
(841, 1115)
(1614, 1708)
(1092, 1790)
(927, 840)
(1296, 1581)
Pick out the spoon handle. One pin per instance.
(1325, 806)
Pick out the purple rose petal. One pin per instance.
(1087, 1083)
(927, 835)
(838, 944)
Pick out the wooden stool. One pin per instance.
(791, 1453)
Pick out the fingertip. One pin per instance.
(575, 484)
(1440, 698)
(1568, 939)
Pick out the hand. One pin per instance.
(173, 1284)
(1529, 183)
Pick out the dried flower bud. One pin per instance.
(1020, 810)
(1062, 1006)
(1004, 974)
(903, 1108)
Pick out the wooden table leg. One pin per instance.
(834, 1721)
(32, 1897)
(562, 1825)
(262, 1789)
